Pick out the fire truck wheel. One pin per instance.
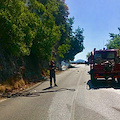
(113, 79)
(93, 80)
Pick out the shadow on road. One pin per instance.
(47, 88)
(36, 94)
(103, 84)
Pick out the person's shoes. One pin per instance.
(50, 86)
(55, 85)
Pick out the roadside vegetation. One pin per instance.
(32, 32)
(114, 42)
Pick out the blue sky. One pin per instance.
(98, 18)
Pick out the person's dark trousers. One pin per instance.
(52, 76)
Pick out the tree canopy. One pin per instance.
(88, 55)
(114, 42)
(39, 27)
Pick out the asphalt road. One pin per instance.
(75, 98)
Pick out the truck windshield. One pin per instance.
(104, 55)
(98, 55)
(110, 55)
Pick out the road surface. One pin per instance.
(75, 98)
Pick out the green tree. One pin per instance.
(114, 42)
(40, 27)
(76, 44)
(48, 32)
(17, 27)
(88, 55)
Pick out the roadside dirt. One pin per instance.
(21, 90)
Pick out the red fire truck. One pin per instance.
(104, 64)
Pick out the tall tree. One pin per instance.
(40, 26)
(47, 31)
(61, 18)
(88, 55)
(114, 42)
(16, 28)
(76, 44)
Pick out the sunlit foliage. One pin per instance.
(114, 42)
(39, 27)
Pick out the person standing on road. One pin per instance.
(52, 68)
